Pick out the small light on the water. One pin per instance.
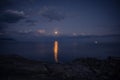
(96, 42)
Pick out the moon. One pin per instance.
(56, 32)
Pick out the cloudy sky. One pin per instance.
(63, 17)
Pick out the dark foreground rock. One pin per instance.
(17, 68)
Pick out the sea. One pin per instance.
(68, 48)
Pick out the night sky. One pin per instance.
(62, 17)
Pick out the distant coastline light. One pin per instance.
(74, 34)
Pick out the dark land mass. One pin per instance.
(14, 67)
(7, 39)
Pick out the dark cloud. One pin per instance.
(2, 26)
(11, 16)
(8, 15)
(51, 14)
(5, 4)
(31, 22)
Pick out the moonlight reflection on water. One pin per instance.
(56, 51)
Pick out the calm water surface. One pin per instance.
(61, 50)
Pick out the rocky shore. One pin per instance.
(15, 67)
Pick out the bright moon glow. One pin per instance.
(56, 51)
(56, 32)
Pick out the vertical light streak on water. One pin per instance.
(56, 51)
